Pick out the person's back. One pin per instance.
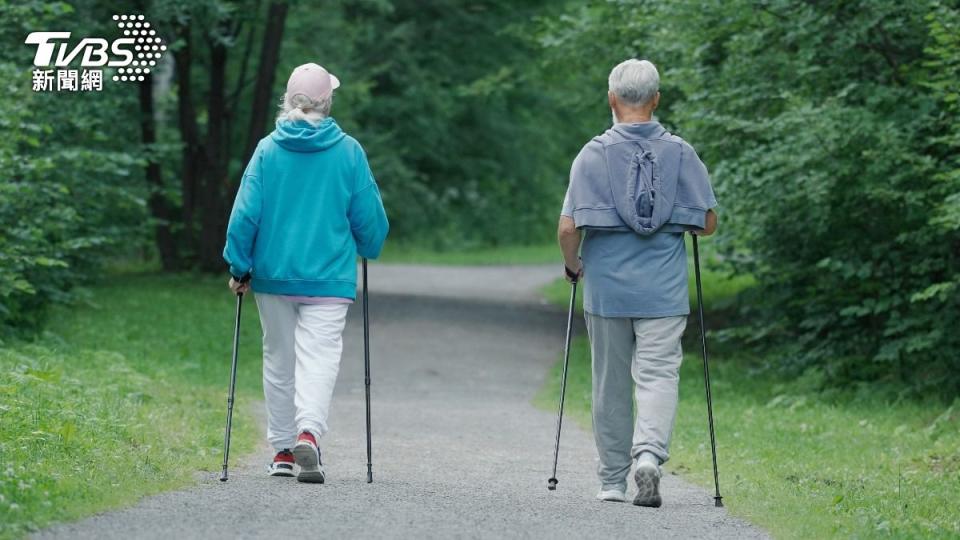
(307, 206)
(319, 209)
(633, 192)
(631, 274)
(634, 276)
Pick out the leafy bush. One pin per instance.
(68, 192)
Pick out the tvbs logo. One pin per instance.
(134, 54)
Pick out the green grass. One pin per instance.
(799, 462)
(802, 465)
(407, 254)
(121, 399)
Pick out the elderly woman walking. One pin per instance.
(307, 206)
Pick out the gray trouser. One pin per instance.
(633, 359)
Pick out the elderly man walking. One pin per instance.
(634, 191)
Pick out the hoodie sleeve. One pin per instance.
(694, 193)
(368, 219)
(694, 189)
(245, 219)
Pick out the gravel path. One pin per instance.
(459, 451)
(487, 283)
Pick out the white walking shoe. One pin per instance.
(612, 495)
(647, 477)
(282, 464)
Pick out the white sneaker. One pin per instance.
(647, 477)
(282, 464)
(612, 495)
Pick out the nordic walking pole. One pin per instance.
(552, 481)
(717, 499)
(366, 368)
(233, 384)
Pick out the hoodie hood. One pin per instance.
(302, 136)
(643, 130)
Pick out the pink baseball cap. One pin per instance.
(311, 81)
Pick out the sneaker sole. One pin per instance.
(648, 488)
(281, 473)
(311, 476)
(310, 469)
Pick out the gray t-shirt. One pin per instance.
(631, 275)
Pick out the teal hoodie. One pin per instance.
(307, 206)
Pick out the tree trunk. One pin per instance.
(192, 151)
(266, 74)
(160, 208)
(207, 190)
(214, 193)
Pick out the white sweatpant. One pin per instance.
(301, 358)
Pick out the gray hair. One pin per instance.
(634, 81)
(301, 107)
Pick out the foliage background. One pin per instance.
(830, 128)
(70, 189)
(831, 132)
